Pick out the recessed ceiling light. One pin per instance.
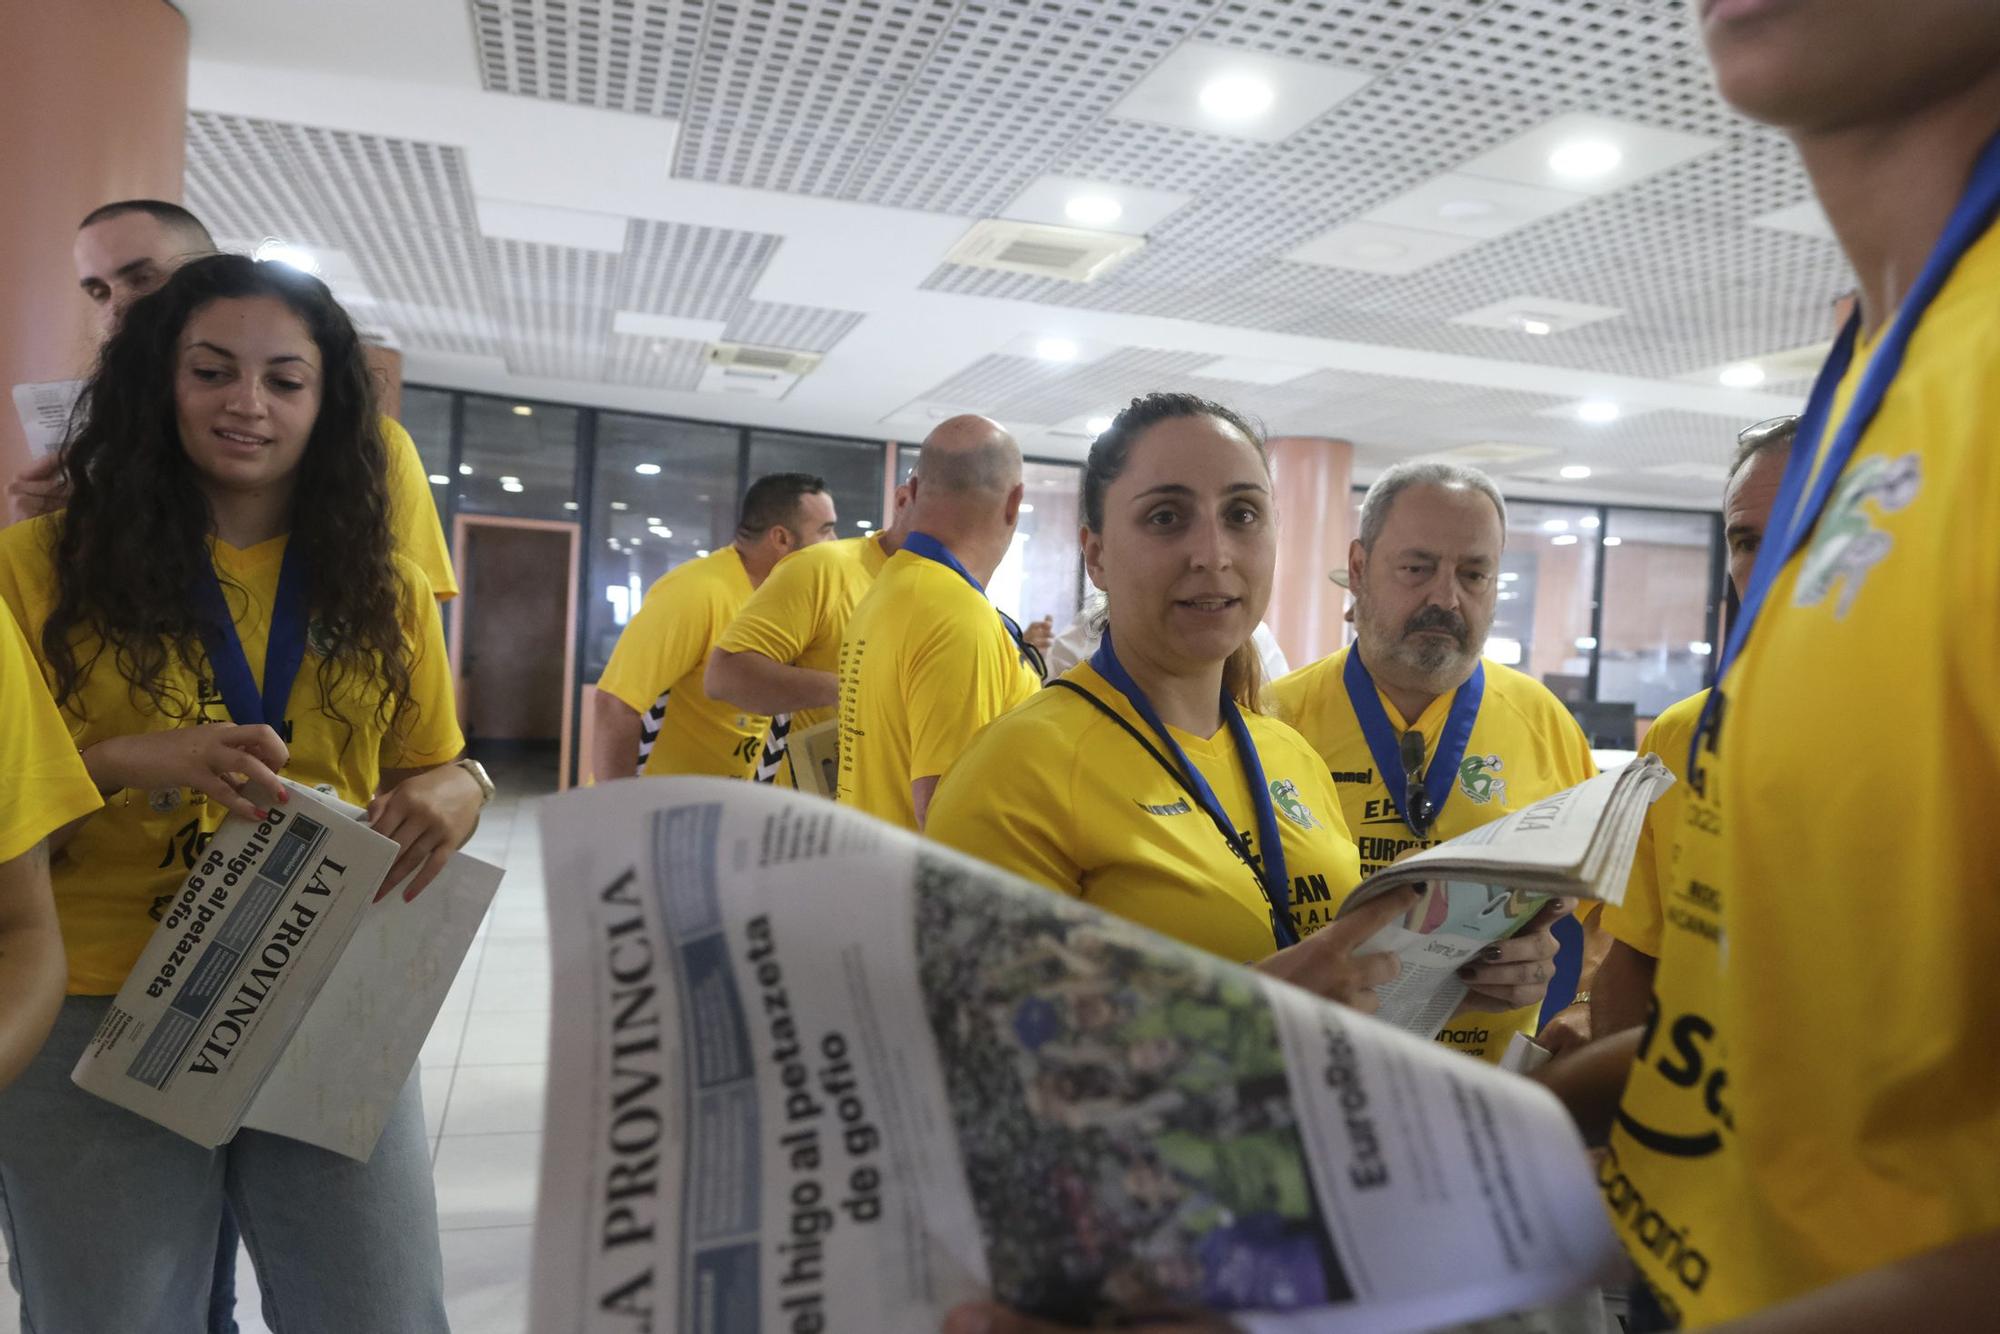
(864, 524)
(1056, 349)
(1701, 648)
(512, 488)
(279, 252)
(1555, 525)
(620, 506)
(1026, 508)
(702, 552)
(1093, 210)
(646, 469)
(654, 520)
(1582, 159)
(439, 479)
(1466, 210)
(1589, 522)
(1237, 97)
(465, 470)
(1509, 576)
(1378, 250)
(1539, 328)
(569, 504)
(1743, 375)
(510, 481)
(1597, 411)
(1097, 426)
(1614, 541)
(1566, 540)
(1587, 643)
(523, 410)
(662, 533)
(1575, 472)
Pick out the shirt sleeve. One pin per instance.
(426, 731)
(413, 513)
(45, 785)
(783, 617)
(1007, 802)
(667, 639)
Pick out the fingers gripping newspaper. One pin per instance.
(276, 994)
(1490, 882)
(809, 1073)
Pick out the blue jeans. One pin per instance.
(112, 1221)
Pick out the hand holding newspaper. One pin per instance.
(1488, 883)
(809, 1073)
(275, 994)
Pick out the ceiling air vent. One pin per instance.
(754, 372)
(1068, 253)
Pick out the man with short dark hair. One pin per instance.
(125, 250)
(1425, 571)
(661, 656)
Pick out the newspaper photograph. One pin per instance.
(276, 994)
(811, 1073)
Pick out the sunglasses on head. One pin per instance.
(1768, 429)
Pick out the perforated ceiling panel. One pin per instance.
(1388, 417)
(555, 306)
(402, 211)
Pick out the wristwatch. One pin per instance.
(479, 776)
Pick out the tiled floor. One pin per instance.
(483, 1072)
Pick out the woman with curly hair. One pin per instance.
(221, 603)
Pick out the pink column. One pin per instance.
(1314, 479)
(94, 97)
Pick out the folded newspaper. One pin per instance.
(810, 1073)
(276, 994)
(1489, 882)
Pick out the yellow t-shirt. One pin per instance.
(666, 647)
(1524, 746)
(1059, 794)
(797, 616)
(43, 784)
(123, 864)
(1637, 921)
(1820, 1095)
(925, 663)
(413, 515)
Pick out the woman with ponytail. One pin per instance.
(1145, 780)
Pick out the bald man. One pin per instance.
(927, 659)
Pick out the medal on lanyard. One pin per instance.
(1273, 878)
(1419, 804)
(284, 650)
(928, 547)
(1808, 482)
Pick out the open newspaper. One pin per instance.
(276, 994)
(1489, 882)
(810, 1073)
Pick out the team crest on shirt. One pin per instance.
(319, 640)
(1847, 545)
(1285, 796)
(165, 801)
(1479, 780)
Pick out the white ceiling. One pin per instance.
(495, 182)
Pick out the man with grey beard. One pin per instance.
(1423, 738)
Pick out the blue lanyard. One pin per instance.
(1797, 510)
(284, 650)
(1273, 878)
(929, 548)
(1386, 747)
